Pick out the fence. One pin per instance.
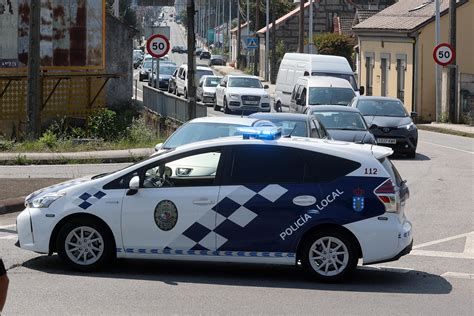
(168, 105)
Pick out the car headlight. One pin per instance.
(234, 96)
(266, 96)
(411, 126)
(46, 200)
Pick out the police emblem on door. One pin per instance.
(166, 215)
(358, 199)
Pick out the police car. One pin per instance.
(323, 204)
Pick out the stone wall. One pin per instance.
(119, 60)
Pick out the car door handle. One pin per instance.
(203, 202)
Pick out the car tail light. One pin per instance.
(387, 194)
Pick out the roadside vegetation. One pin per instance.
(103, 130)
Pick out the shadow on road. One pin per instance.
(174, 273)
(419, 157)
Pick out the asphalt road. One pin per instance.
(436, 278)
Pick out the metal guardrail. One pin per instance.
(169, 105)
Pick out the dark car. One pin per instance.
(295, 124)
(172, 82)
(342, 122)
(390, 123)
(198, 51)
(217, 60)
(205, 55)
(176, 49)
(165, 73)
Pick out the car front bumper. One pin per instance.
(34, 230)
(405, 141)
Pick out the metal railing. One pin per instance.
(169, 105)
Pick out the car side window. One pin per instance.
(192, 170)
(183, 75)
(325, 168)
(256, 164)
(303, 97)
(295, 92)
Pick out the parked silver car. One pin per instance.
(206, 90)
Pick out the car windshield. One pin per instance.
(341, 120)
(330, 96)
(167, 70)
(347, 77)
(147, 65)
(393, 108)
(195, 132)
(203, 72)
(293, 127)
(212, 81)
(245, 83)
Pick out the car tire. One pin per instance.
(324, 265)
(277, 107)
(216, 107)
(69, 244)
(185, 93)
(226, 107)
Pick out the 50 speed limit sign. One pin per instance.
(158, 45)
(444, 54)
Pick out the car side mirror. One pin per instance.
(413, 114)
(133, 185)
(373, 127)
(362, 90)
(158, 146)
(265, 87)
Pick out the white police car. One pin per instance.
(322, 203)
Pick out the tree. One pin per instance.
(126, 13)
(282, 7)
(335, 44)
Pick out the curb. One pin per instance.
(8, 206)
(442, 130)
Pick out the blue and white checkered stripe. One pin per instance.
(208, 253)
(87, 199)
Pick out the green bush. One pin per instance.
(103, 124)
(49, 139)
(335, 44)
(139, 132)
(6, 145)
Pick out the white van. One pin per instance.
(182, 78)
(320, 90)
(295, 65)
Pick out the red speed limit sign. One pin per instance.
(444, 54)
(158, 45)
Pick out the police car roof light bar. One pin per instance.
(263, 133)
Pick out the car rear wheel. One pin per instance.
(329, 255)
(85, 244)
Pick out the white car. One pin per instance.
(206, 89)
(242, 93)
(322, 203)
(182, 78)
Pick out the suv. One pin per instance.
(182, 78)
(242, 93)
(230, 200)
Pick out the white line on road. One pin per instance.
(387, 269)
(458, 275)
(434, 242)
(464, 151)
(442, 254)
(7, 226)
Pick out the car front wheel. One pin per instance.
(85, 244)
(329, 255)
(226, 107)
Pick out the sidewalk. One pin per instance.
(455, 129)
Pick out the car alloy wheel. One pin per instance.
(329, 255)
(84, 245)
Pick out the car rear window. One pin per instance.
(390, 167)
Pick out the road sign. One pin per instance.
(444, 54)
(252, 43)
(158, 45)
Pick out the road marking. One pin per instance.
(458, 275)
(8, 226)
(464, 151)
(442, 254)
(468, 252)
(434, 242)
(8, 232)
(387, 269)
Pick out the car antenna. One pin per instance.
(291, 133)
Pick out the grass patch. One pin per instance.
(445, 131)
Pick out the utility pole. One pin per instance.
(256, 59)
(239, 35)
(438, 67)
(273, 67)
(301, 28)
(453, 66)
(248, 32)
(191, 61)
(229, 35)
(35, 95)
(310, 39)
(267, 41)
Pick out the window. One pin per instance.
(384, 68)
(341, 120)
(401, 71)
(330, 95)
(369, 73)
(326, 168)
(192, 170)
(314, 130)
(255, 164)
